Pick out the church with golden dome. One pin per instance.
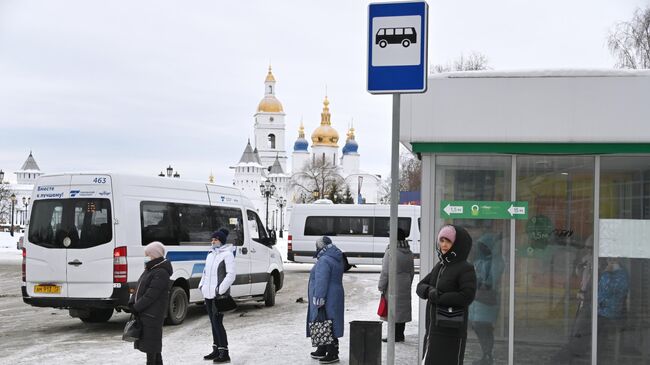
(266, 158)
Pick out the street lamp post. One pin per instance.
(13, 203)
(170, 172)
(267, 189)
(26, 202)
(281, 203)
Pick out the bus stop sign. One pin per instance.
(397, 47)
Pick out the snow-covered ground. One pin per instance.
(257, 334)
(8, 252)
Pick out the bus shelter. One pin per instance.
(550, 173)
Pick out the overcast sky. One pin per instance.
(137, 85)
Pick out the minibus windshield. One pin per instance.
(70, 223)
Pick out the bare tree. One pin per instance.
(410, 172)
(318, 176)
(384, 191)
(5, 203)
(474, 62)
(629, 41)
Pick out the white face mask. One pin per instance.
(147, 259)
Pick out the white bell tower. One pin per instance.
(270, 126)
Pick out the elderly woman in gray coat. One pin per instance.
(405, 273)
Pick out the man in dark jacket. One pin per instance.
(451, 285)
(149, 302)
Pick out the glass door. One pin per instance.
(553, 256)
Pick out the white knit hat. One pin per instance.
(154, 250)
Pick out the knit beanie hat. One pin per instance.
(448, 232)
(154, 250)
(221, 235)
(322, 242)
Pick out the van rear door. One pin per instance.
(46, 265)
(90, 254)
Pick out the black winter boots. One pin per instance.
(320, 352)
(213, 355)
(223, 357)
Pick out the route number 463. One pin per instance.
(99, 180)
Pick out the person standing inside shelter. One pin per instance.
(449, 287)
(483, 312)
(218, 275)
(149, 302)
(613, 286)
(404, 280)
(325, 293)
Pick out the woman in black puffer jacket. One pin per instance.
(149, 302)
(450, 284)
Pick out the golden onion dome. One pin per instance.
(270, 104)
(325, 135)
(269, 76)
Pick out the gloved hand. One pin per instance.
(132, 308)
(319, 302)
(422, 290)
(433, 295)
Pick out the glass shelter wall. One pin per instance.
(479, 179)
(624, 261)
(554, 252)
(575, 269)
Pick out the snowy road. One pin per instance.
(257, 335)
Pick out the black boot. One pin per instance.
(223, 356)
(320, 353)
(213, 355)
(332, 354)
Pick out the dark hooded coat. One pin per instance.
(451, 283)
(150, 303)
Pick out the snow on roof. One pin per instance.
(540, 73)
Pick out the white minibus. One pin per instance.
(360, 231)
(84, 246)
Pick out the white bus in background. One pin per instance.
(360, 231)
(84, 247)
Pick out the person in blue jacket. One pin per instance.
(484, 310)
(325, 292)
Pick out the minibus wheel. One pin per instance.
(269, 293)
(406, 43)
(177, 307)
(98, 316)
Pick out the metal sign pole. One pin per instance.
(394, 202)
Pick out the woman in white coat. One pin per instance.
(218, 276)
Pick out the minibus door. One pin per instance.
(90, 254)
(46, 261)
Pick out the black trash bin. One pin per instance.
(365, 343)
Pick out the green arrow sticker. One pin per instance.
(470, 209)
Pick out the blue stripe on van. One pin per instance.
(187, 256)
(197, 269)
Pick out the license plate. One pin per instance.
(47, 289)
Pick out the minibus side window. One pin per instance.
(256, 228)
(352, 226)
(230, 219)
(320, 226)
(382, 226)
(159, 223)
(194, 225)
